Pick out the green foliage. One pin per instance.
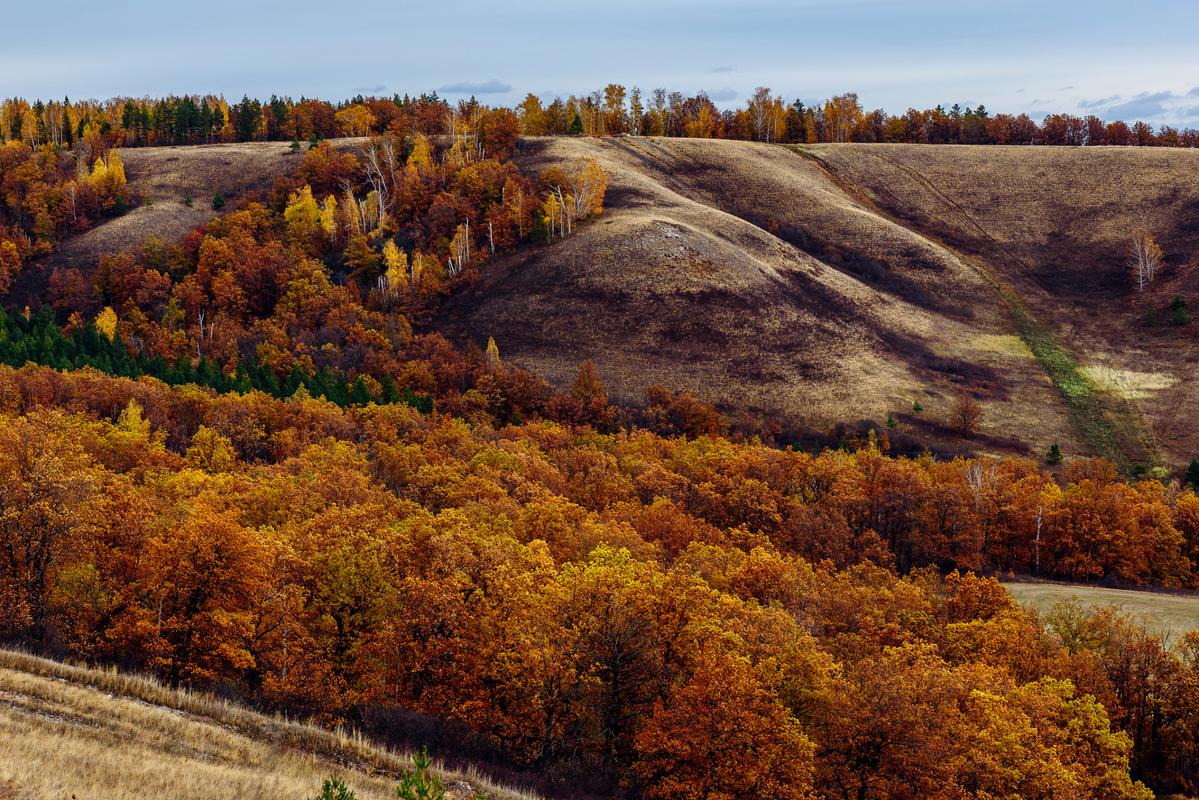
(419, 784)
(891, 423)
(1179, 315)
(294, 146)
(576, 126)
(40, 340)
(916, 407)
(218, 202)
(1054, 456)
(334, 788)
(188, 199)
(1191, 476)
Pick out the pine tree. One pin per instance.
(1054, 456)
(419, 784)
(1192, 474)
(334, 788)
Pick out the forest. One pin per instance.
(242, 463)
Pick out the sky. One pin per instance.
(1116, 59)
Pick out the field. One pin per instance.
(73, 732)
(1171, 615)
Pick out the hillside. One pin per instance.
(74, 732)
(819, 285)
(1054, 225)
(174, 188)
(843, 283)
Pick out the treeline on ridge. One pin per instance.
(613, 110)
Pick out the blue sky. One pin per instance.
(1116, 59)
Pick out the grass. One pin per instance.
(1130, 384)
(1076, 388)
(1171, 615)
(1109, 424)
(70, 731)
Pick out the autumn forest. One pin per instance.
(245, 462)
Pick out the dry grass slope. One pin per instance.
(750, 275)
(845, 282)
(1052, 227)
(69, 731)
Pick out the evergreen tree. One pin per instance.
(1192, 474)
(334, 788)
(419, 784)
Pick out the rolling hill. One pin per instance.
(822, 285)
(839, 283)
(75, 732)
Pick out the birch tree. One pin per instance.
(1145, 259)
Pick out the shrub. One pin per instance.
(218, 202)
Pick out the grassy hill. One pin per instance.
(75, 732)
(822, 284)
(842, 283)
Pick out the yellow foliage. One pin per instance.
(106, 323)
(302, 215)
(421, 156)
(395, 265)
(329, 218)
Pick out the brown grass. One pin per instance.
(753, 277)
(1054, 225)
(68, 731)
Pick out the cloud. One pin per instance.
(1164, 106)
(1099, 102)
(1145, 105)
(726, 69)
(1067, 88)
(378, 88)
(490, 86)
(723, 95)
